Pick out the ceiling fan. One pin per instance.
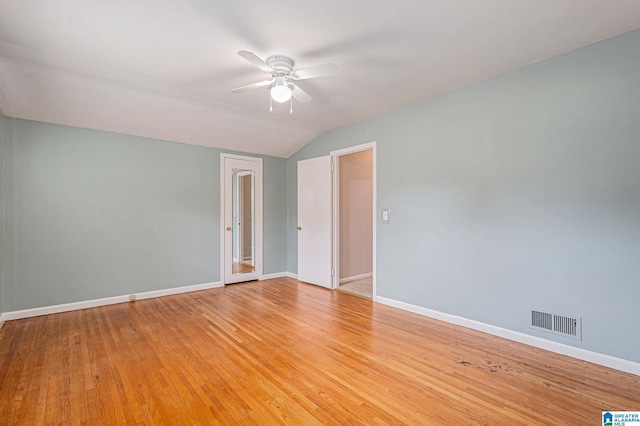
(283, 76)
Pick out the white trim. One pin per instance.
(375, 221)
(292, 275)
(74, 306)
(335, 220)
(538, 342)
(356, 277)
(337, 153)
(352, 149)
(222, 214)
(272, 276)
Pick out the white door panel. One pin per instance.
(314, 221)
(241, 218)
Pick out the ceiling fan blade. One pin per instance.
(317, 71)
(252, 86)
(251, 57)
(300, 95)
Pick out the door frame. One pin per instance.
(257, 249)
(335, 157)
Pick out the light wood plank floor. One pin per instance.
(281, 351)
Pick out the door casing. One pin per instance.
(226, 218)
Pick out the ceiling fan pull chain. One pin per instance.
(291, 107)
(270, 104)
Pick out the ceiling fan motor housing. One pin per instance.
(281, 64)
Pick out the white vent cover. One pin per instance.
(557, 324)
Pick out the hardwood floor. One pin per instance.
(281, 351)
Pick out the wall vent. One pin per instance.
(557, 324)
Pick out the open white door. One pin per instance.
(314, 221)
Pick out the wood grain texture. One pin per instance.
(284, 352)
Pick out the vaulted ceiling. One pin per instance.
(164, 68)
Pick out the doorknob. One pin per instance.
(228, 228)
(299, 228)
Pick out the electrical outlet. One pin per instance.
(385, 215)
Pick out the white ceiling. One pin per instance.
(164, 68)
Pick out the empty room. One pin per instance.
(239, 212)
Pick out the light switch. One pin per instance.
(385, 215)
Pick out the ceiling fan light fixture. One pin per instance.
(281, 84)
(280, 93)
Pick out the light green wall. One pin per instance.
(520, 192)
(92, 214)
(1, 213)
(275, 215)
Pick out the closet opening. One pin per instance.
(354, 220)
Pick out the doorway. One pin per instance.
(319, 223)
(354, 219)
(241, 218)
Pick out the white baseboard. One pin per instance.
(560, 348)
(292, 275)
(356, 277)
(46, 310)
(272, 276)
